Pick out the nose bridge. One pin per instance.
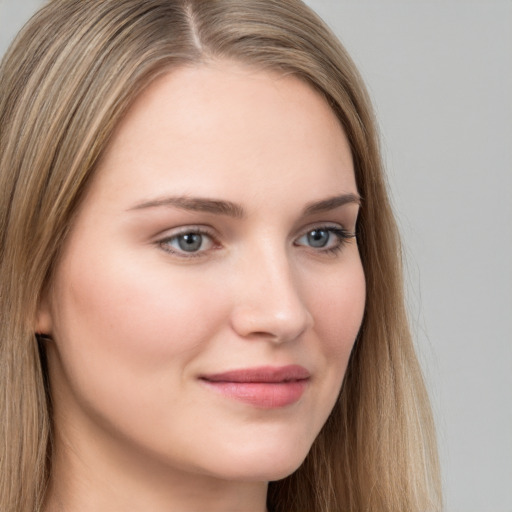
(269, 301)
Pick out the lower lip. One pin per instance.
(265, 395)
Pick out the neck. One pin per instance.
(105, 478)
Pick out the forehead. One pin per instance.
(225, 128)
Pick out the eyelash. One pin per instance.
(342, 235)
(190, 230)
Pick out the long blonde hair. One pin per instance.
(65, 83)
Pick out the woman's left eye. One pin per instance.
(188, 243)
(325, 238)
(193, 242)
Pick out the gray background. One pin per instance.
(440, 75)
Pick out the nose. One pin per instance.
(268, 300)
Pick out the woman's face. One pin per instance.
(210, 292)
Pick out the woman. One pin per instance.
(201, 290)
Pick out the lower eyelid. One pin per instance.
(165, 242)
(342, 236)
(338, 231)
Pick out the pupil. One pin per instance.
(190, 242)
(318, 238)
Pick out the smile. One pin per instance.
(264, 387)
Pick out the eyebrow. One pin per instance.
(331, 203)
(230, 209)
(196, 204)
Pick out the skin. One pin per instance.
(136, 321)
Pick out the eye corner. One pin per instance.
(327, 239)
(188, 242)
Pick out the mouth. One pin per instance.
(265, 387)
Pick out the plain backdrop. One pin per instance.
(440, 75)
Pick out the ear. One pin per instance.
(43, 321)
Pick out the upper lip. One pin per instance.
(265, 374)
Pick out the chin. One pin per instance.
(264, 464)
(268, 473)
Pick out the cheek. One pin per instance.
(117, 324)
(338, 312)
(125, 338)
(140, 311)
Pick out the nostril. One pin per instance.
(265, 323)
(268, 303)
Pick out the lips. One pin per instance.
(264, 387)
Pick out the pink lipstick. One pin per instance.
(267, 387)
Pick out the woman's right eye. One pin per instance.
(192, 242)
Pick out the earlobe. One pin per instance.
(43, 321)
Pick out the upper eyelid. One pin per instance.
(184, 255)
(339, 231)
(165, 234)
(171, 233)
(342, 239)
(329, 225)
(209, 231)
